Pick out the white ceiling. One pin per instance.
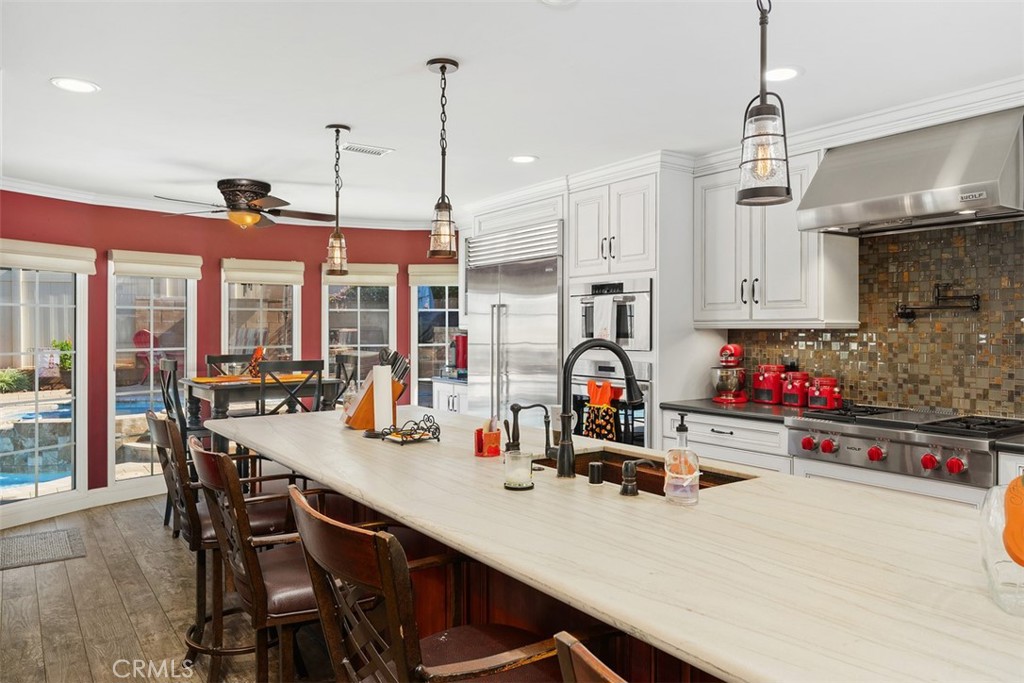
(197, 91)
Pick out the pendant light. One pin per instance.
(337, 251)
(442, 228)
(764, 164)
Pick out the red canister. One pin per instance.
(824, 394)
(794, 388)
(768, 384)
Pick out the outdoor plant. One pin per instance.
(12, 380)
(65, 358)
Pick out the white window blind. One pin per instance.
(380, 274)
(435, 274)
(41, 256)
(254, 271)
(153, 264)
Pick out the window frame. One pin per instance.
(359, 275)
(262, 272)
(426, 275)
(151, 265)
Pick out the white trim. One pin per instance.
(296, 316)
(163, 207)
(154, 264)
(325, 349)
(53, 505)
(433, 274)
(261, 272)
(363, 274)
(81, 382)
(42, 256)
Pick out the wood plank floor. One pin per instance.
(130, 598)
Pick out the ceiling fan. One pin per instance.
(248, 203)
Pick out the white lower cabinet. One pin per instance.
(755, 443)
(450, 396)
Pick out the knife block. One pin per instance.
(361, 416)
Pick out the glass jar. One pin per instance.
(1005, 577)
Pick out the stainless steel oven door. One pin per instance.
(969, 495)
(632, 420)
(631, 315)
(581, 319)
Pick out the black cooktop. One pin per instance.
(977, 426)
(850, 412)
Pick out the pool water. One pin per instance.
(19, 479)
(122, 406)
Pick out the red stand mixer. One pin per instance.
(730, 377)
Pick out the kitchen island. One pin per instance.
(771, 578)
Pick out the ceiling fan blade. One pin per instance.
(189, 201)
(304, 215)
(268, 202)
(194, 213)
(264, 222)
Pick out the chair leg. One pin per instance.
(167, 510)
(199, 624)
(286, 672)
(218, 614)
(262, 665)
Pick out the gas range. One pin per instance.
(929, 444)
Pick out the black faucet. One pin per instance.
(549, 450)
(634, 396)
(629, 476)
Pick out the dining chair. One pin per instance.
(196, 529)
(168, 369)
(282, 375)
(364, 595)
(218, 364)
(579, 665)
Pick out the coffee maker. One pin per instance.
(730, 377)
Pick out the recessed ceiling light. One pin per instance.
(74, 84)
(559, 3)
(783, 73)
(523, 159)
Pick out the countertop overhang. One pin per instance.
(772, 578)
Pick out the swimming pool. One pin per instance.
(134, 405)
(19, 479)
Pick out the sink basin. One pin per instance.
(651, 480)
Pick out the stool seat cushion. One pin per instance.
(289, 590)
(471, 642)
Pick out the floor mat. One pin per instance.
(38, 548)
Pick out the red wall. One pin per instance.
(39, 219)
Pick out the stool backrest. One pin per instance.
(171, 396)
(217, 363)
(170, 450)
(274, 375)
(579, 665)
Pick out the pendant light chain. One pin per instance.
(337, 178)
(444, 130)
(764, 46)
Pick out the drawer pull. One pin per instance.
(715, 431)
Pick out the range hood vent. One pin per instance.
(968, 172)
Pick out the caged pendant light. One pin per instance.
(764, 164)
(337, 250)
(442, 228)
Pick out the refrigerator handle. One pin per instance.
(494, 352)
(503, 382)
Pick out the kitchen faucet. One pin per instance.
(634, 396)
(513, 443)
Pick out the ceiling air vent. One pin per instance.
(359, 148)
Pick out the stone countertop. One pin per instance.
(747, 411)
(449, 380)
(776, 578)
(1011, 444)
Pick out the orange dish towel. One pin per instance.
(1013, 532)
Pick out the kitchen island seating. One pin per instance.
(364, 593)
(197, 531)
(280, 376)
(579, 665)
(168, 369)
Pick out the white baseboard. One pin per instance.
(25, 512)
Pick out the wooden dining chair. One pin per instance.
(218, 364)
(579, 665)
(365, 600)
(274, 380)
(196, 529)
(171, 396)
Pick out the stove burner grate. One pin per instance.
(848, 413)
(976, 426)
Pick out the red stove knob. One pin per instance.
(930, 462)
(876, 454)
(808, 443)
(829, 446)
(955, 465)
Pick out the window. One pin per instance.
(261, 307)
(42, 339)
(359, 319)
(435, 321)
(152, 314)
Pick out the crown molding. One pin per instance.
(646, 163)
(963, 104)
(524, 195)
(162, 207)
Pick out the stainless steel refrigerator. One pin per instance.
(514, 319)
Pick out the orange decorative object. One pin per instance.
(1013, 532)
(253, 368)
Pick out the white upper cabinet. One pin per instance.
(612, 228)
(753, 268)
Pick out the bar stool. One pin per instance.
(273, 375)
(579, 665)
(168, 369)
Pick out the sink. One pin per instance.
(651, 480)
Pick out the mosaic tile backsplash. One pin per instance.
(972, 362)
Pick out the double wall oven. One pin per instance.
(633, 421)
(617, 311)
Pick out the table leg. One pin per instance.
(219, 410)
(194, 405)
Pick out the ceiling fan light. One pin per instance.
(443, 238)
(244, 218)
(337, 254)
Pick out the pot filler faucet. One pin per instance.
(634, 396)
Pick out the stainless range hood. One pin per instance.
(967, 172)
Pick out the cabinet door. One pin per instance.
(631, 231)
(785, 265)
(721, 269)
(588, 232)
(440, 396)
(459, 393)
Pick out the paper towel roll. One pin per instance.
(381, 397)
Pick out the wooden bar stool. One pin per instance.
(579, 665)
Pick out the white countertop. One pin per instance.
(774, 578)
